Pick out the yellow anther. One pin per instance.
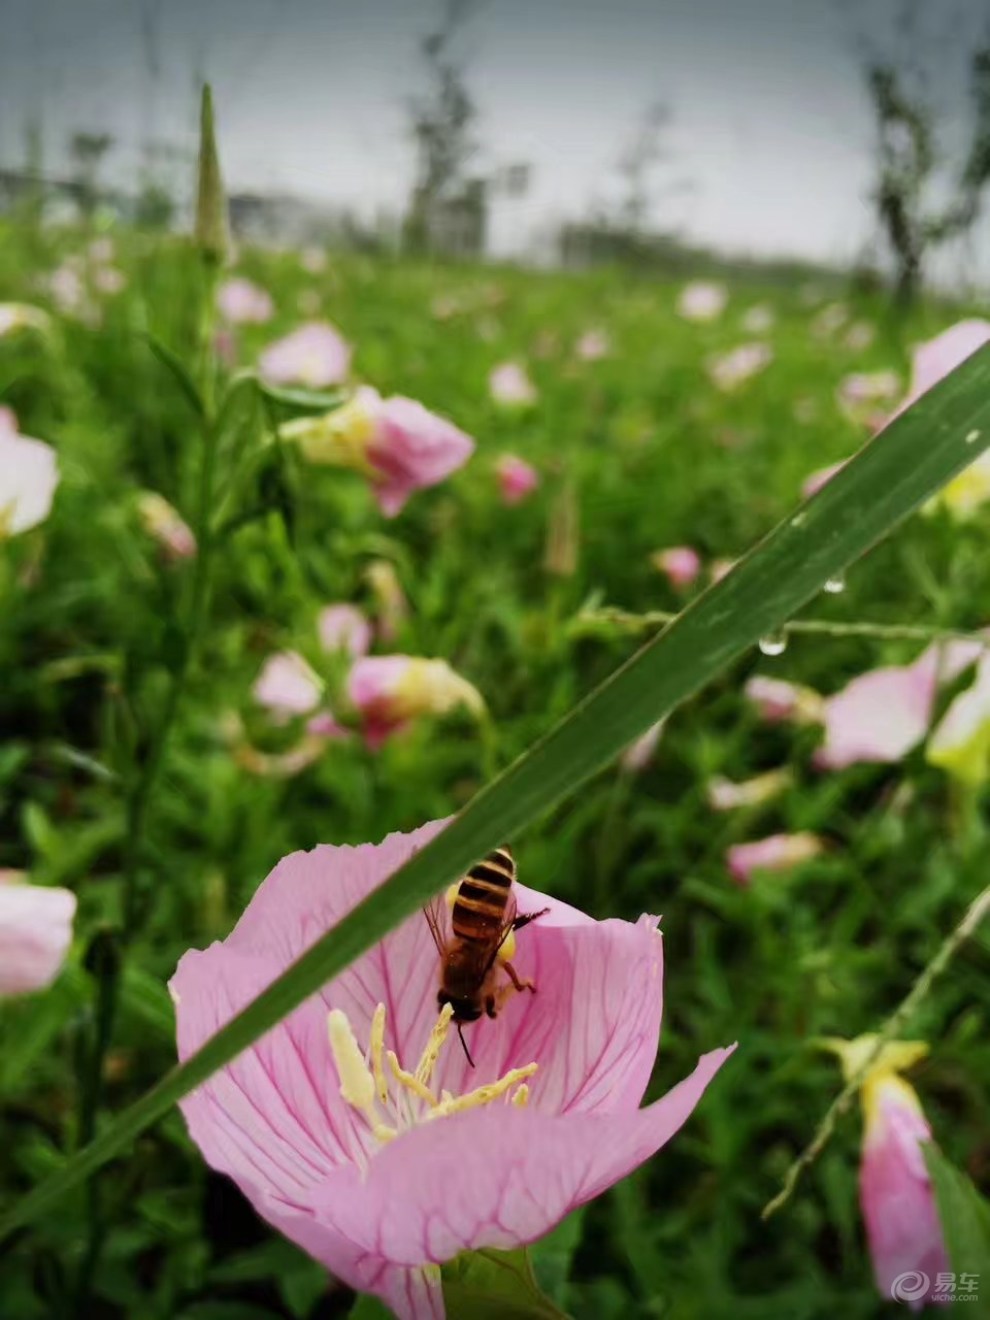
(507, 949)
(410, 1081)
(377, 1049)
(431, 1051)
(483, 1095)
(357, 1085)
(521, 1097)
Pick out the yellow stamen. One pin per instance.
(357, 1085)
(410, 1081)
(521, 1097)
(377, 1048)
(431, 1051)
(483, 1095)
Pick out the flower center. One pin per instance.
(392, 1099)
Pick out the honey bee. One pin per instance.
(482, 919)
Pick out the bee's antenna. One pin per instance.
(464, 1043)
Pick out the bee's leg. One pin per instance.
(517, 984)
(526, 917)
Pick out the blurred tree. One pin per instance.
(87, 151)
(637, 163)
(442, 123)
(919, 204)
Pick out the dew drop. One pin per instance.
(835, 586)
(799, 519)
(774, 643)
(972, 438)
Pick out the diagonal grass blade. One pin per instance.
(899, 469)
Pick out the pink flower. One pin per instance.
(778, 852)
(640, 753)
(109, 280)
(28, 478)
(287, 686)
(516, 478)
(364, 1166)
(728, 795)
(829, 320)
(313, 260)
(241, 302)
(902, 1224)
(397, 443)
(861, 392)
(702, 301)
(592, 346)
(679, 563)
(759, 320)
(315, 355)
(779, 701)
(166, 526)
(344, 628)
(391, 690)
(934, 359)
(729, 370)
(881, 715)
(819, 478)
(35, 933)
(859, 336)
(510, 385)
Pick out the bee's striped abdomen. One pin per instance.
(479, 908)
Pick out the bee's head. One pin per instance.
(465, 1010)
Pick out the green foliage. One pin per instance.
(655, 457)
(965, 1219)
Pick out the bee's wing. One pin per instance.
(434, 914)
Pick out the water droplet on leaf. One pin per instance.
(972, 438)
(836, 585)
(774, 643)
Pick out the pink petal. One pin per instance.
(516, 478)
(777, 852)
(814, 482)
(344, 628)
(28, 478)
(411, 448)
(898, 1203)
(437, 1190)
(878, 717)
(315, 355)
(287, 685)
(35, 934)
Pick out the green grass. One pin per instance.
(657, 458)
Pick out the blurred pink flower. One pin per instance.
(65, 284)
(108, 280)
(777, 852)
(287, 686)
(728, 371)
(905, 1236)
(516, 478)
(28, 478)
(961, 743)
(101, 250)
(242, 302)
(389, 691)
(397, 443)
(35, 933)
(819, 478)
(860, 393)
(759, 320)
(935, 358)
(702, 301)
(680, 564)
(344, 628)
(509, 384)
(779, 702)
(164, 525)
(22, 316)
(384, 1170)
(882, 714)
(315, 355)
(728, 794)
(593, 346)
(859, 336)
(313, 260)
(391, 609)
(829, 320)
(640, 753)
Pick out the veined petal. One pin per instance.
(498, 1176)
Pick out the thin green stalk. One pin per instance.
(626, 621)
(890, 1030)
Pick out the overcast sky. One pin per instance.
(770, 131)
